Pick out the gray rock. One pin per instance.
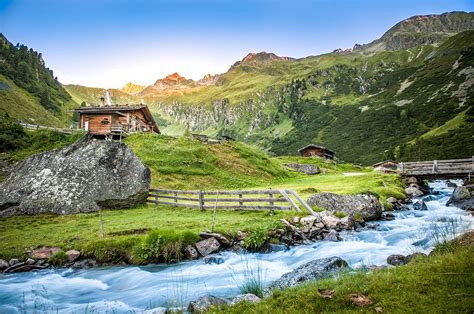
(85, 263)
(462, 198)
(208, 246)
(451, 184)
(396, 260)
(219, 237)
(83, 177)
(413, 191)
(73, 255)
(190, 252)
(248, 297)
(304, 168)
(13, 261)
(420, 205)
(333, 235)
(204, 303)
(388, 216)
(412, 180)
(23, 267)
(3, 264)
(313, 270)
(30, 261)
(213, 259)
(367, 206)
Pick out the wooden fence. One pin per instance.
(438, 167)
(238, 200)
(42, 127)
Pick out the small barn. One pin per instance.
(313, 150)
(116, 120)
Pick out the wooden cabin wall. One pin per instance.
(95, 123)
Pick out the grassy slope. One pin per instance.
(187, 164)
(441, 283)
(20, 104)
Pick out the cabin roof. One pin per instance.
(315, 146)
(114, 109)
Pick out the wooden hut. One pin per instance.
(312, 150)
(387, 166)
(116, 120)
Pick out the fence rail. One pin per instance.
(438, 167)
(42, 127)
(232, 199)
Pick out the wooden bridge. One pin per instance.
(438, 168)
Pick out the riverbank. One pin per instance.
(441, 282)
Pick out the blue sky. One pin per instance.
(107, 43)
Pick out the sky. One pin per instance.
(107, 43)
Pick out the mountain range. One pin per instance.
(407, 95)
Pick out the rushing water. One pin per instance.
(137, 289)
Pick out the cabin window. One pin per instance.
(105, 121)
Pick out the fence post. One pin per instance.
(241, 203)
(201, 201)
(156, 198)
(270, 195)
(175, 197)
(435, 166)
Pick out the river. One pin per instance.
(138, 289)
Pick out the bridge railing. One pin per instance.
(449, 166)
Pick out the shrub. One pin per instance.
(340, 214)
(258, 236)
(111, 251)
(58, 259)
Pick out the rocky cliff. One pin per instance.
(82, 177)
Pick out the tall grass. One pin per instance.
(253, 277)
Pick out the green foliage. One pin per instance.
(12, 135)
(257, 236)
(340, 214)
(163, 246)
(58, 259)
(110, 250)
(35, 142)
(27, 69)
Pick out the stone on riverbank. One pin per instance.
(45, 252)
(72, 255)
(248, 297)
(3, 264)
(204, 303)
(208, 246)
(313, 270)
(190, 252)
(367, 206)
(462, 198)
(83, 177)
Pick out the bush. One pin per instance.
(58, 259)
(163, 246)
(111, 251)
(340, 214)
(258, 236)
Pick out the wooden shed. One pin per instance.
(312, 150)
(387, 166)
(116, 120)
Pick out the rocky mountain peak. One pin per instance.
(174, 78)
(421, 30)
(261, 57)
(132, 88)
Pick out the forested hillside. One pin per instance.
(28, 89)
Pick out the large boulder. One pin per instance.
(313, 270)
(366, 206)
(208, 246)
(304, 168)
(83, 177)
(462, 198)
